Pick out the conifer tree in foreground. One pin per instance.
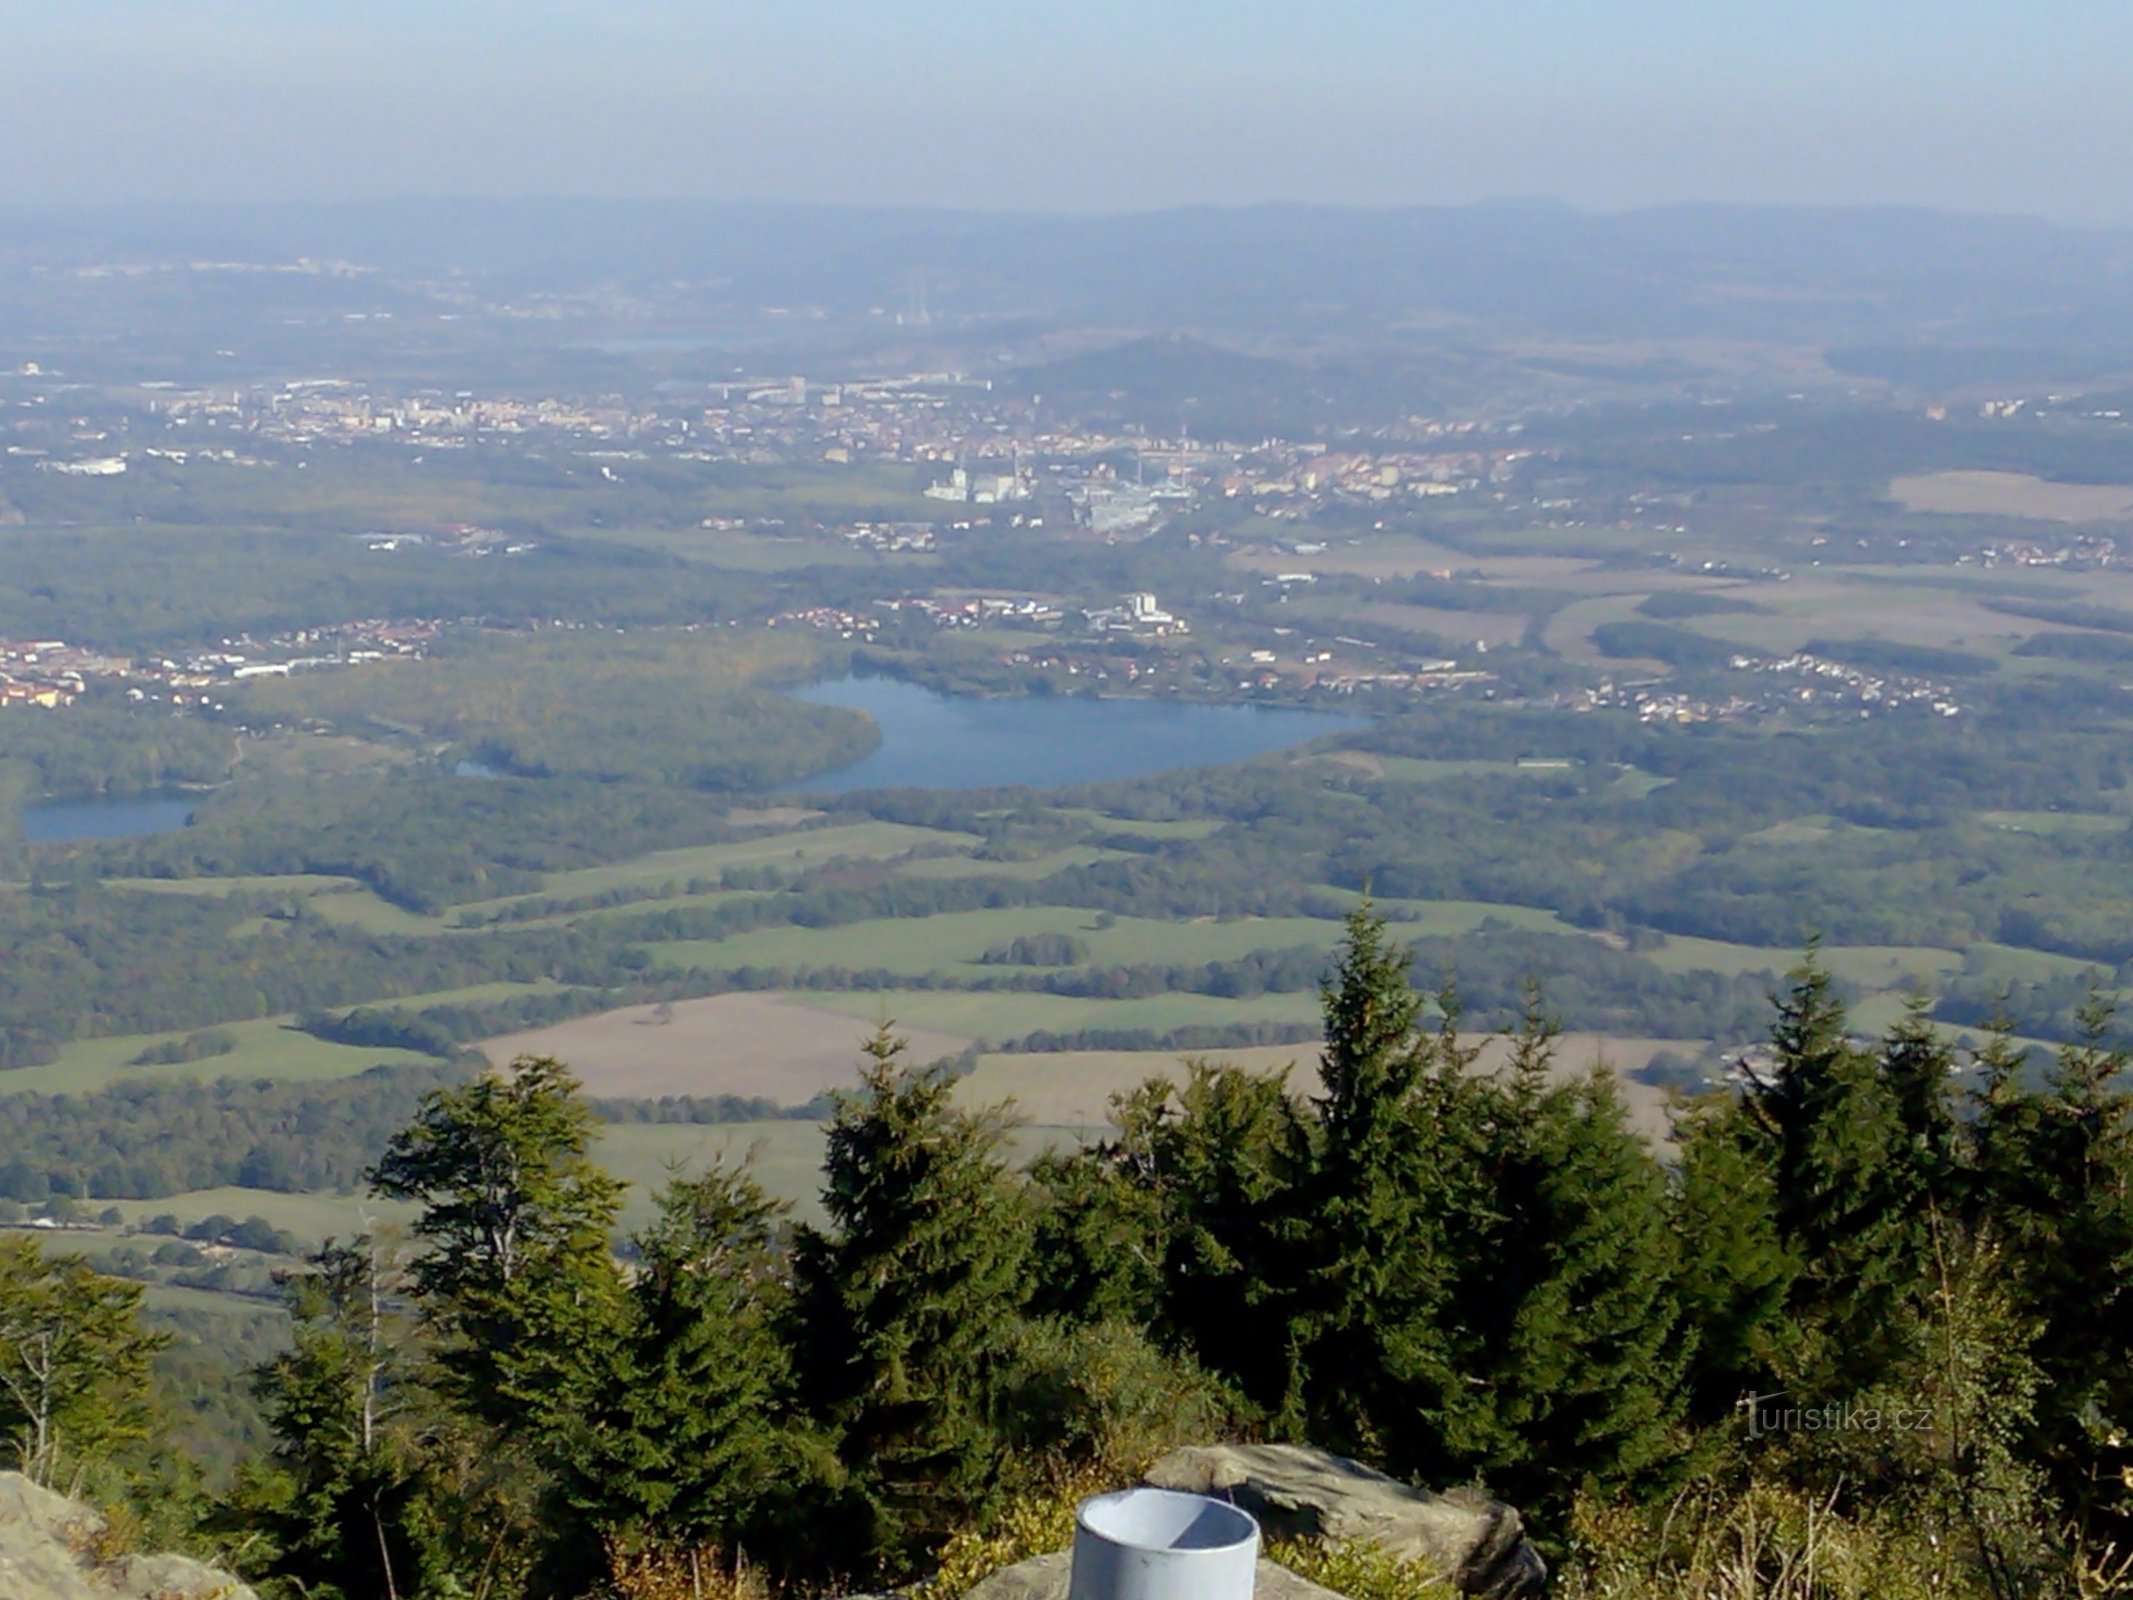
(908, 1303)
(1392, 1205)
(1576, 1338)
(347, 1507)
(689, 1442)
(1221, 1155)
(1841, 1166)
(2062, 1164)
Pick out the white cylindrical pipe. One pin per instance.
(1158, 1544)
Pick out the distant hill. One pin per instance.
(1876, 280)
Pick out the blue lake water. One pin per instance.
(940, 741)
(64, 821)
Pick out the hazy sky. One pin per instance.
(1098, 104)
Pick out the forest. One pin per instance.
(1868, 1320)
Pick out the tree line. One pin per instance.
(1863, 1292)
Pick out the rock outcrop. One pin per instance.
(50, 1550)
(1302, 1493)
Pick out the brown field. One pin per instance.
(1072, 1089)
(1833, 608)
(2013, 494)
(1391, 557)
(1496, 627)
(770, 816)
(743, 1044)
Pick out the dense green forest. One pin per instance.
(1889, 836)
(692, 709)
(1862, 1318)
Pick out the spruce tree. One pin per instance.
(1393, 1204)
(910, 1300)
(345, 1403)
(1824, 1122)
(1737, 1267)
(1574, 1329)
(2061, 1161)
(1101, 1240)
(692, 1437)
(1222, 1155)
(1917, 1067)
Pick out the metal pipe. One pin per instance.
(1159, 1544)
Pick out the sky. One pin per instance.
(1095, 105)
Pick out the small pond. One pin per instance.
(64, 821)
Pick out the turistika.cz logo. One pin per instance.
(1840, 1416)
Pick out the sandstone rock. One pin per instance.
(1297, 1492)
(1045, 1578)
(48, 1552)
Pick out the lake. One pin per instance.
(62, 821)
(941, 741)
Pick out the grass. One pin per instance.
(1012, 1016)
(1892, 966)
(472, 994)
(365, 911)
(1181, 828)
(340, 900)
(1034, 868)
(627, 908)
(786, 1156)
(1837, 608)
(2053, 822)
(1873, 967)
(1681, 953)
(1071, 1089)
(308, 1216)
(951, 944)
(266, 1048)
(2016, 964)
(1793, 830)
(2011, 494)
(1569, 631)
(809, 847)
(1416, 769)
(296, 884)
(1445, 919)
(1636, 783)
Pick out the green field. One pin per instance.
(341, 900)
(1184, 828)
(951, 944)
(1444, 919)
(1032, 870)
(863, 841)
(1870, 966)
(308, 1216)
(628, 908)
(2053, 822)
(787, 1158)
(366, 912)
(267, 1048)
(2013, 964)
(1416, 769)
(302, 884)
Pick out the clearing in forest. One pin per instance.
(2012, 494)
(741, 1044)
